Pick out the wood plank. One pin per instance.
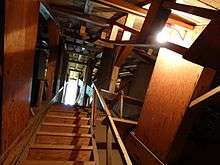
(140, 153)
(62, 140)
(202, 12)
(166, 103)
(115, 132)
(95, 152)
(67, 117)
(133, 9)
(59, 155)
(124, 121)
(64, 129)
(20, 37)
(65, 125)
(40, 162)
(68, 114)
(60, 147)
(63, 134)
(154, 22)
(67, 120)
(210, 98)
(108, 146)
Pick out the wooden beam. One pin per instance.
(154, 22)
(109, 146)
(161, 119)
(133, 9)
(114, 130)
(205, 50)
(212, 98)
(95, 20)
(202, 12)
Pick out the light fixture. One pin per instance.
(163, 36)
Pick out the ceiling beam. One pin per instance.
(154, 22)
(95, 20)
(202, 12)
(99, 21)
(136, 10)
(205, 50)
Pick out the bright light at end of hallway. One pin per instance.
(71, 91)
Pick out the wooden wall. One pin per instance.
(21, 23)
(173, 83)
(53, 57)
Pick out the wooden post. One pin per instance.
(94, 108)
(40, 93)
(109, 145)
(114, 78)
(121, 104)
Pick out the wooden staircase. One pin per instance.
(65, 137)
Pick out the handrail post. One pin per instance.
(109, 145)
(94, 108)
(121, 104)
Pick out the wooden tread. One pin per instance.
(64, 134)
(60, 147)
(65, 125)
(63, 138)
(40, 162)
(68, 117)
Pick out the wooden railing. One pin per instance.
(122, 99)
(111, 129)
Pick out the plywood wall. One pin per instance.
(53, 57)
(21, 23)
(171, 88)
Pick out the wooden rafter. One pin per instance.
(202, 12)
(154, 22)
(133, 9)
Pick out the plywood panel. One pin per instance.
(53, 57)
(21, 23)
(170, 90)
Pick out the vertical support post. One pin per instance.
(40, 93)
(114, 78)
(109, 146)
(121, 104)
(94, 108)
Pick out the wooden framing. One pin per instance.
(133, 9)
(202, 12)
(154, 22)
(165, 111)
(114, 130)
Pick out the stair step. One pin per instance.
(67, 119)
(60, 147)
(66, 154)
(69, 111)
(60, 152)
(62, 140)
(78, 114)
(39, 162)
(65, 128)
(66, 125)
(64, 134)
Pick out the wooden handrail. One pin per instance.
(212, 96)
(114, 130)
